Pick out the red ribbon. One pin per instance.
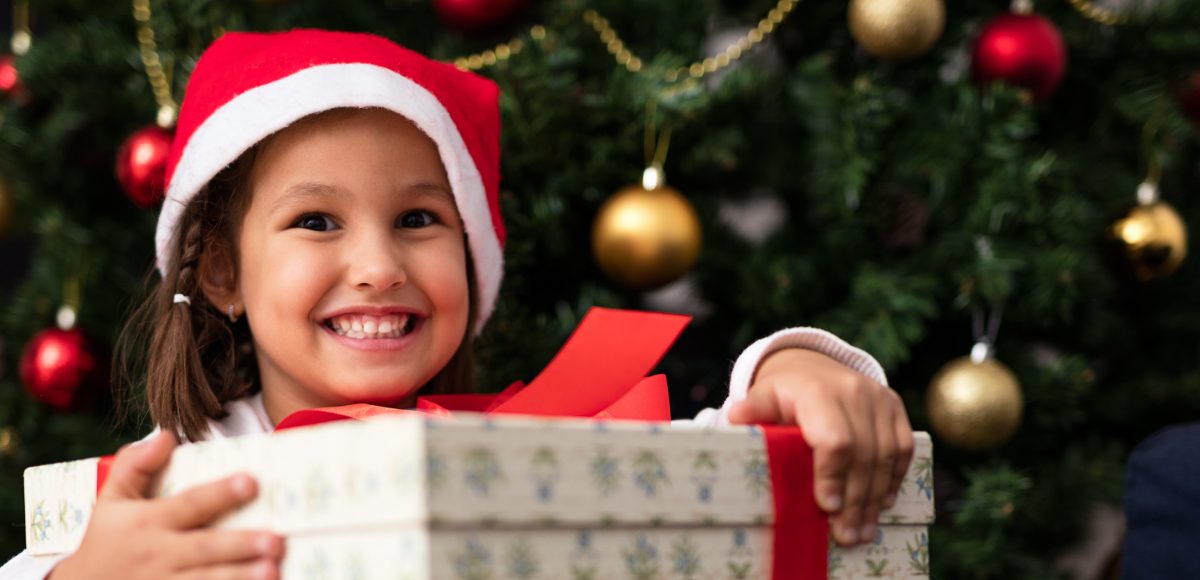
(601, 373)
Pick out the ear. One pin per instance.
(218, 279)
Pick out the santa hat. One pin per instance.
(247, 86)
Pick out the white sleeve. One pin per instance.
(26, 566)
(747, 363)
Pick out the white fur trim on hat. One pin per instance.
(259, 112)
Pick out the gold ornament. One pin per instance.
(897, 29)
(646, 236)
(8, 440)
(974, 405)
(1152, 239)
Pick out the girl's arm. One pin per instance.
(813, 339)
(857, 427)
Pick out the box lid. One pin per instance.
(469, 471)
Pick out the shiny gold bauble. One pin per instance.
(897, 29)
(974, 406)
(1151, 239)
(8, 441)
(646, 238)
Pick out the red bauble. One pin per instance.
(1188, 95)
(476, 15)
(61, 369)
(142, 165)
(10, 82)
(1022, 49)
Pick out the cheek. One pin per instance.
(282, 280)
(445, 273)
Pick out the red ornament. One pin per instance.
(61, 369)
(142, 165)
(10, 81)
(476, 15)
(1188, 95)
(1022, 49)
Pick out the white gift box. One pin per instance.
(476, 497)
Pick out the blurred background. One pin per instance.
(992, 198)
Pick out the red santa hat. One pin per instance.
(248, 86)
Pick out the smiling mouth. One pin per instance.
(366, 327)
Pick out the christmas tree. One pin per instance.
(916, 177)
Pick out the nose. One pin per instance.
(376, 261)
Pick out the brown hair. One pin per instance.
(197, 359)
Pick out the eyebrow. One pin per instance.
(430, 189)
(302, 192)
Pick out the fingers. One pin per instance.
(263, 569)
(136, 466)
(759, 406)
(203, 504)
(905, 446)
(883, 468)
(859, 412)
(208, 547)
(827, 430)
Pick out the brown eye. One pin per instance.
(315, 222)
(416, 219)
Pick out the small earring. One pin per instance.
(232, 318)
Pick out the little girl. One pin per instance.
(332, 235)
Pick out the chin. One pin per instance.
(376, 393)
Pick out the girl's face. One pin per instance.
(352, 267)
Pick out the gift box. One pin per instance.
(415, 496)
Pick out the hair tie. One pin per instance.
(182, 298)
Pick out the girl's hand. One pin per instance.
(858, 429)
(132, 537)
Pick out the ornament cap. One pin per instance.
(21, 42)
(1022, 6)
(166, 116)
(66, 317)
(652, 177)
(981, 351)
(1147, 193)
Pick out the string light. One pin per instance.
(156, 72)
(697, 70)
(1105, 16)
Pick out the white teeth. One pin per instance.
(362, 326)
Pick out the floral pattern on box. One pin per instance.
(58, 504)
(704, 474)
(543, 469)
(896, 552)
(593, 554)
(914, 501)
(605, 474)
(608, 473)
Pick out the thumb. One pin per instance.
(759, 406)
(135, 467)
